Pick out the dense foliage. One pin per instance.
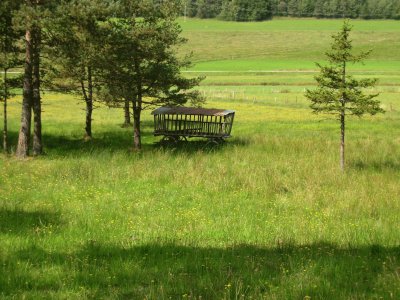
(256, 10)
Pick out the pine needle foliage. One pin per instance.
(339, 93)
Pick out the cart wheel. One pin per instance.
(175, 139)
(215, 141)
(170, 140)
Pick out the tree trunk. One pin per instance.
(26, 113)
(88, 96)
(137, 110)
(37, 106)
(137, 141)
(5, 130)
(342, 121)
(127, 114)
(342, 140)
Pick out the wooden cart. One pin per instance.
(176, 123)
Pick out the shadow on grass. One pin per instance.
(23, 222)
(376, 165)
(121, 140)
(163, 271)
(199, 145)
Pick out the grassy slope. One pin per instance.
(235, 49)
(295, 40)
(267, 215)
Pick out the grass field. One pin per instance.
(268, 215)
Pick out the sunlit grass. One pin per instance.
(267, 215)
(268, 209)
(296, 46)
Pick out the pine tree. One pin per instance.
(75, 49)
(9, 58)
(31, 16)
(338, 93)
(142, 66)
(27, 100)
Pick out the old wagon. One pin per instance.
(176, 123)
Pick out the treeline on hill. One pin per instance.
(258, 10)
(121, 53)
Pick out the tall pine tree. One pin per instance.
(31, 16)
(142, 66)
(9, 58)
(75, 49)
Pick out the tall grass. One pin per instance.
(266, 215)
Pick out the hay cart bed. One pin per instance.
(177, 123)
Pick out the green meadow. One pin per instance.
(267, 215)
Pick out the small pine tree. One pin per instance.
(339, 93)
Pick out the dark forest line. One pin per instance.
(258, 10)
